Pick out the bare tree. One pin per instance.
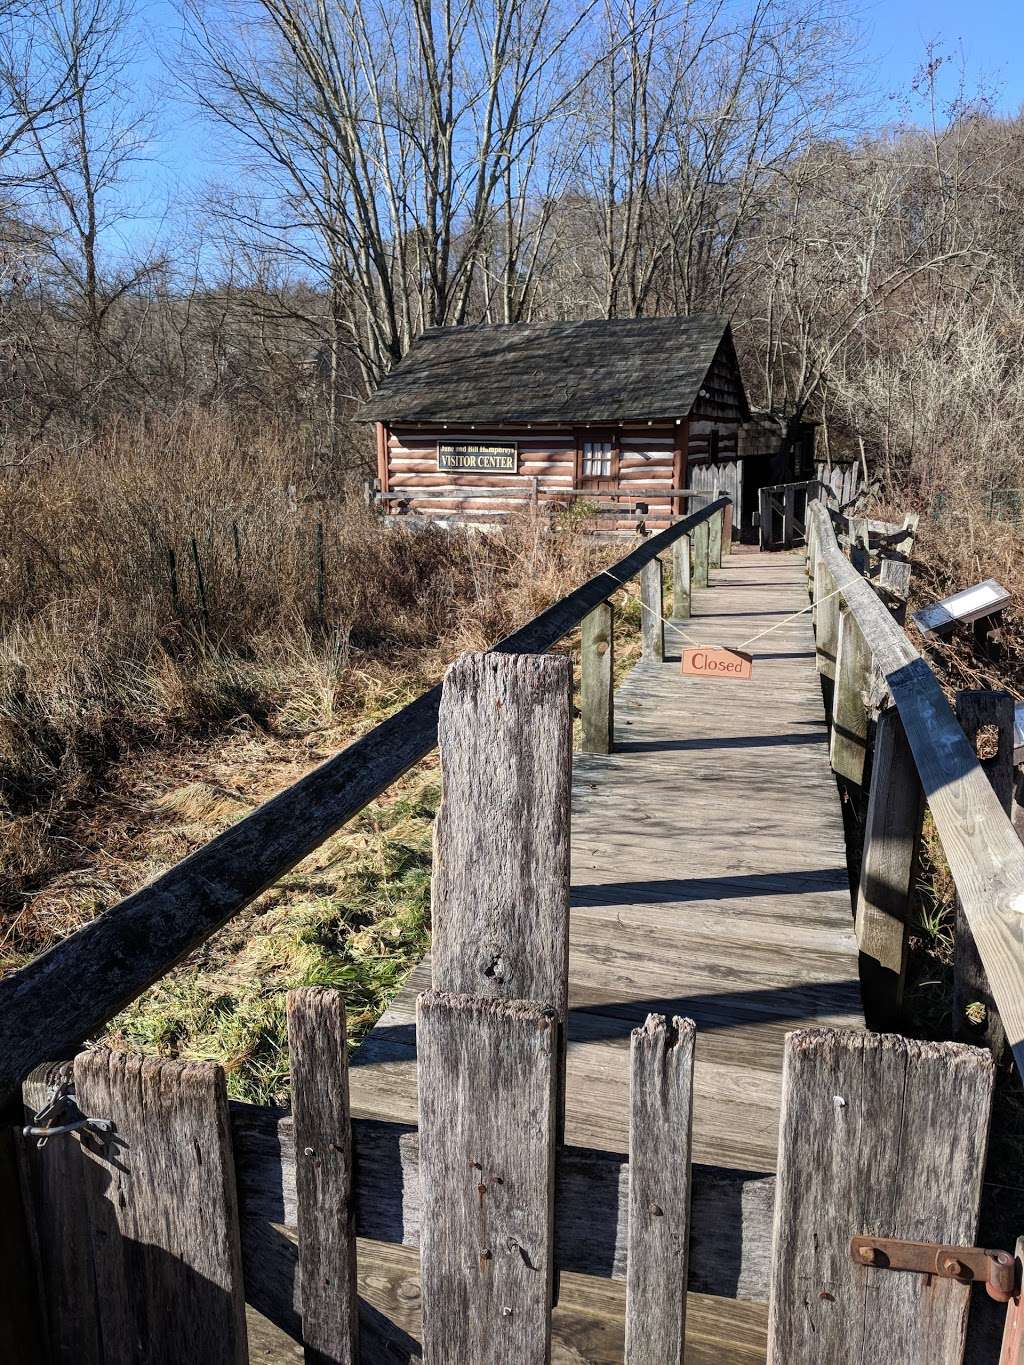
(396, 139)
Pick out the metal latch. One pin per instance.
(996, 1270)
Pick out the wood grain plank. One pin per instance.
(661, 1100)
(681, 572)
(488, 1073)
(317, 1045)
(892, 836)
(881, 1136)
(500, 895)
(163, 1210)
(652, 611)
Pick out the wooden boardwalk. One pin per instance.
(709, 880)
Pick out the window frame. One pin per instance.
(593, 434)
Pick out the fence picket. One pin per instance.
(652, 611)
(842, 1172)
(487, 1082)
(163, 1209)
(317, 1044)
(977, 709)
(661, 1098)
(501, 838)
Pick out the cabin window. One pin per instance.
(713, 444)
(597, 454)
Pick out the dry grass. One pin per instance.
(191, 616)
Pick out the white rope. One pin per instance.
(624, 582)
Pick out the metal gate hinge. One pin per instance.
(996, 1270)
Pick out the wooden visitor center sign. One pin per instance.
(477, 457)
(709, 662)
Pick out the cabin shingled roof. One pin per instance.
(596, 371)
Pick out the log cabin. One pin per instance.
(477, 421)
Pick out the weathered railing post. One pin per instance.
(652, 611)
(975, 1018)
(727, 529)
(681, 574)
(715, 534)
(845, 1094)
(826, 628)
(888, 870)
(849, 739)
(491, 1034)
(597, 685)
(162, 1200)
(701, 552)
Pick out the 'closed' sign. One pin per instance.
(704, 662)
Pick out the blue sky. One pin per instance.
(988, 35)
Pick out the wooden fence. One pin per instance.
(157, 1209)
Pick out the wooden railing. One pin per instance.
(49, 1007)
(183, 1207)
(892, 727)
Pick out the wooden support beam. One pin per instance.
(597, 680)
(681, 577)
(661, 1101)
(849, 738)
(727, 519)
(652, 611)
(847, 1097)
(975, 1017)
(487, 1083)
(701, 546)
(764, 510)
(892, 836)
(317, 1049)
(162, 1207)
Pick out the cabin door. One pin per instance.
(597, 460)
